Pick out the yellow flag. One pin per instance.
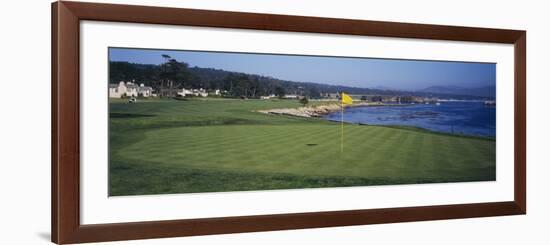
(346, 99)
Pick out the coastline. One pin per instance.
(320, 110)
(323, 110)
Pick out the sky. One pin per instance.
(356, 72)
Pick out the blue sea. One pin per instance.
(469, 118)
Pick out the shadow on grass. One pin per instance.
(128, 115)
(143, 178)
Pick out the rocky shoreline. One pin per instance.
(314, 111)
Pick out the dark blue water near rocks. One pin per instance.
(469, 118)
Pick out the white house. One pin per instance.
(193, 92)
(271, 96)
(145, 91)
(184, 92)
(201, 92)
(129, 89)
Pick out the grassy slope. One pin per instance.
(166, 146)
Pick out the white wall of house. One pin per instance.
(129, 89)
(118, 91)
(194, 92)
(145, 91)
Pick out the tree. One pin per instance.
(304, 101)
(163, 73)
(182, 76)
(255, 87)
(363, 98)
(280, 92)
(174, 74)
(239, 85)
(314, 93)
(139, 73)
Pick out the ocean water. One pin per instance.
(469, 118)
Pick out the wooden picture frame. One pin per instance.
(65, 177)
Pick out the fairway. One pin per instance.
(170, 146)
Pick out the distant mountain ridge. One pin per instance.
(443, 92)
(485, 91)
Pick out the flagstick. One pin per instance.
(342, 123)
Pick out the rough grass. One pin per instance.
(168, 146)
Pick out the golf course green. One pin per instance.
(159, 146)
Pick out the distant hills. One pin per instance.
(486, 91)
(444, 92)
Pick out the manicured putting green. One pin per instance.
(168, 146)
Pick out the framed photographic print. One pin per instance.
(176, 122)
